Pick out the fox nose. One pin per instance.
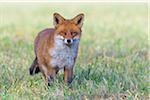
(68, 41)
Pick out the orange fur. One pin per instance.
(52, 50)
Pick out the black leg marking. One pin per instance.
(34, 67)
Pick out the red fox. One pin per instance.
(57, 48)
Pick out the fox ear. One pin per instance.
(78, 20)
(58, 19)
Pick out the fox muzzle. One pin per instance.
(68, 41)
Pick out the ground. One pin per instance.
(112, 60)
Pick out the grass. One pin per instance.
(113, 54)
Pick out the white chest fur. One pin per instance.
(62, 55)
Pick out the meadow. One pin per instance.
(112, 60)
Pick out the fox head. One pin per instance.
(68, 30)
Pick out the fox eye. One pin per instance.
(74, 33)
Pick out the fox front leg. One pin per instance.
(51, 74)
(68, 73)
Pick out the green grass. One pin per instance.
(113, 54)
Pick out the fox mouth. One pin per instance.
(68, 44)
